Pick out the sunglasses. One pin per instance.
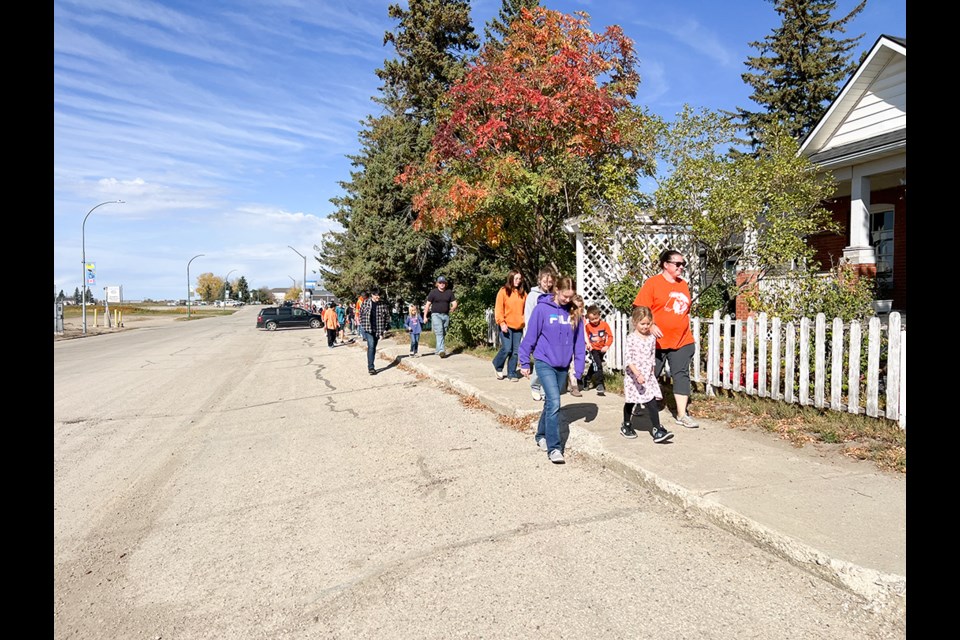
(679, 264)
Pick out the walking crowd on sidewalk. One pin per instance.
(549, 338)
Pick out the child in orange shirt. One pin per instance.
(599, 340)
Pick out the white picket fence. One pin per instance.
(766, 358)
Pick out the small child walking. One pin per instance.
(599, 340)
(414, 324)
(640, 387)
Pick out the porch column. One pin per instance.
(859, 250)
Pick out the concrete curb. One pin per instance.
(876, 587)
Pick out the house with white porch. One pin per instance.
(862, 141)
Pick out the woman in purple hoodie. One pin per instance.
(555, 337)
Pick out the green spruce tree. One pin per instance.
(800, 67)
(498, 27)
(378, 244)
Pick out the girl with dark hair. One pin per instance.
(508, 314)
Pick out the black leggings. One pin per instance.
(596, 359)
(653, 410)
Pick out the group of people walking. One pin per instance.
(547, 337)
(555, 340)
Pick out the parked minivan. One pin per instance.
(273, 318)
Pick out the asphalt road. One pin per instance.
(216, 481)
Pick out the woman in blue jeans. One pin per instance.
(554, 337)
(508, 314)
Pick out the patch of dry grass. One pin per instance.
(878, 440)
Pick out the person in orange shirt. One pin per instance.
(599, 340)
(667, 295)
(356, 312)
(508, 314)
(332, 323)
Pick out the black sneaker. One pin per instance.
(600, 390)
(627, 431)
(660, 435)
(372, 372)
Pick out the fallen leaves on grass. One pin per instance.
(859, 437)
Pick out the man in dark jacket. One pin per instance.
(375, 321)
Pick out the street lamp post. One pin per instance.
(303, 295)
(188, 283)
(294, 281)
(83, 263)
(225, 287)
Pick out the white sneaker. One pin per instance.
(687, 421)
(556, 456)
(542, 443)
(537, 393)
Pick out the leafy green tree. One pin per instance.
(378, 244)
(800, 66)
(741, 212)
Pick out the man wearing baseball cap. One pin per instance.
(441, 302)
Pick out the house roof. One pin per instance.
(884, 50)
(877, 146)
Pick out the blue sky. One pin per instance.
(224, 125)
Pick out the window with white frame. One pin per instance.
(881, 239)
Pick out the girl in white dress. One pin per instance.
(640, 385)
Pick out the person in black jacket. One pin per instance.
(375, 321)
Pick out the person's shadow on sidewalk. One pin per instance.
(586, 411)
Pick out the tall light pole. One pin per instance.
(303, 295)
(83, 263)
(225, 287)
(188, 283)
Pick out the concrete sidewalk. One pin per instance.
(840, 519)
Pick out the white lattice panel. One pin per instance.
(599, 264)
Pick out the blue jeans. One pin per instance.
(414, 342)
(552, 380)
(372, 341)
(509, 352)
(440, 323)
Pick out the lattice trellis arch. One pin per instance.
(599, 260)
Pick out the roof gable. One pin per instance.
(871, 105)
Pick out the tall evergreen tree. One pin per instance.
(799, 67)
(378, 244)
(498, 27)
(76, 296)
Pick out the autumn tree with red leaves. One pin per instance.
(540, 130)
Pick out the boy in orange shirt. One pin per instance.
(599, 339)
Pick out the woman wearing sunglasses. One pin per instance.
(668, 296)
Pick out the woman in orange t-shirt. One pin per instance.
(668, 297)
